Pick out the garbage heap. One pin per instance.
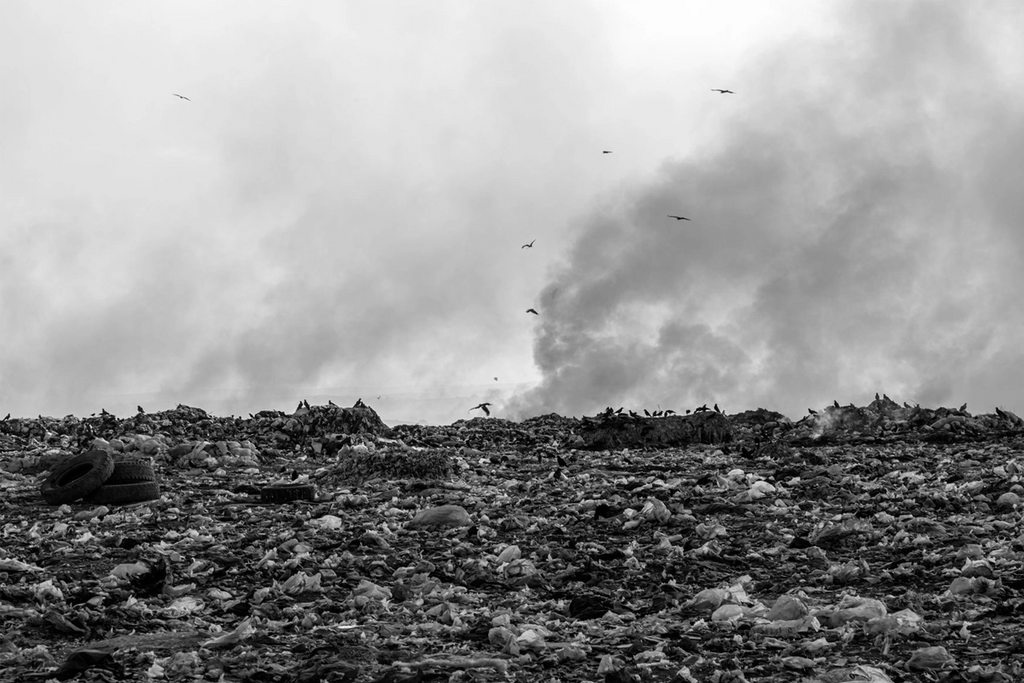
(612, 430)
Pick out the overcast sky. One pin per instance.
(338, 209)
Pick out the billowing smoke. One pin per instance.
(857, 228)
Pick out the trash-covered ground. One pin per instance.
(876, 543)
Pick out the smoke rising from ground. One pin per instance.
(854, 230)
(340, 206)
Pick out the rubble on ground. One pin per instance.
(874, 543)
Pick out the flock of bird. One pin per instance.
(529, 245)
(610, 412)
(486, 406)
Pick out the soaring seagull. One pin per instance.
(482, 406)
(680, 218)
(528, 246)
(181, 96)
(724, 92)
(530, 310)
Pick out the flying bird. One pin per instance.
(181, 96)
(530, 310)
(724, 92)
(680, 218)
(528, 246)
(606, 151)
(482, 406)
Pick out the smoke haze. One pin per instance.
(853, 230)
(337, 212)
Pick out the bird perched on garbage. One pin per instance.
(716, 408)
(530, 310)
(181, 96)
(702, 409)
(528, 246)
(669, 411)
(812, 411)
(963, 408)
(723, 92)
(835, 403)
(141, 411)
(680, 218)
(482, 406)
(876, 395)
(646, 412)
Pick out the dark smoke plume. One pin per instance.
(854, 230)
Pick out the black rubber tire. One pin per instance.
(285, 493)
(131, 470)
(120, 494)
(77, 477)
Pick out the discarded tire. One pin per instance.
(77, 478)
(130, 470)
(284, 493)
(120, 494)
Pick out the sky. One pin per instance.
(338, 209)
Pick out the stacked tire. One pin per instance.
(97, 478)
